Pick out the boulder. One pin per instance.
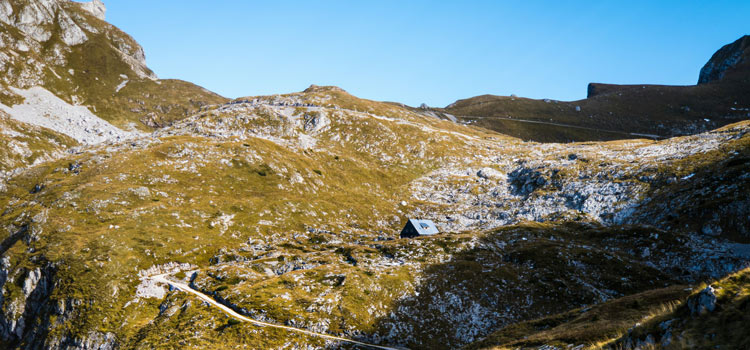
(490, 174)
(141, 192)
(524, 180)
(703, 302)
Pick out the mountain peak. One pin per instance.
(732, 58)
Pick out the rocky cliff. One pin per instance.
(61, 24)
(66, 48)
(731, 61)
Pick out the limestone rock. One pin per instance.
(6, 11)
(315, 123)
(91, 341)
(37, 19)
(490, 174)
(704, 302)
(31, 281)
(524, 180)
(70, 33)
(97, 8)
(141, 192)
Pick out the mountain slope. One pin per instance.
(64, 69)
(712, 317)
(26, 145)
(61, 46)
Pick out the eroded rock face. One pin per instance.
(25, 317)
(38, 18)
(61, 24)
(728, 59)
(96, 8)
(70, 32)
(92, 341)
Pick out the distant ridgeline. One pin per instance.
(623, 111)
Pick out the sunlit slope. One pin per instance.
(276, 201)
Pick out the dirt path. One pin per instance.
(650, 136)
(185, 288)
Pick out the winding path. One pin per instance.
(650, 136)
(185, 288)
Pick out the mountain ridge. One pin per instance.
(732, 61)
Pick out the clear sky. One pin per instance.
(436, 52)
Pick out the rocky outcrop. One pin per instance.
(703, 302)
(491, 174)
(525, 180)
(92, 341)
(729, 60)
(25, 318)
(59, 25)
(96, 7)
(705, 202)
(38, 19)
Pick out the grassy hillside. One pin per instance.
(288, 207)
(188, 198)
(590, 326)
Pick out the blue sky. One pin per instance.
(429, 51)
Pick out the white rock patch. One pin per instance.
(123, 83)
(223, 222)
(148, 288)
(43, 108)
